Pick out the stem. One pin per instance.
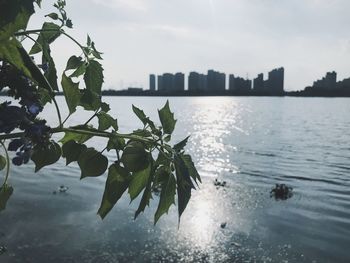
(76, 42)
(58, 111)
(104, 134)
(32, 39)
(93, 116)
(91, 132)
(51, 30)
(118, 157)
(66, 119)
(7, 163)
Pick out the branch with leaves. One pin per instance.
(144, 160)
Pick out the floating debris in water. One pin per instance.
(236, 244)
(219, 183)
(223, 225)
(61, 189)
(281, 192)
(3, 249)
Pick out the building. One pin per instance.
(216, 81)
(179, 81)
(197, 81)
(344, 84)
(152, 82)
(275, 82)
(238, 84)
(258, 83)
(160, 83)
(327, 82)
(193, 81)
(274, 85)
(203, 82)
(135, 89)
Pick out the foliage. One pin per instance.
(143, 161)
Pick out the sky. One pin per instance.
(241, 37)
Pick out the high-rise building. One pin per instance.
(216, 80)
(179, 81)
(239, 84)
(152, 82)
(203, 82)
(193, 81)
(327, 82)
(168, 81)
(160, 83)
(275, 81)
(258, 82)
(197, 81)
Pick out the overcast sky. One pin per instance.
(243, 37)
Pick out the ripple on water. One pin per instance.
(251, 143)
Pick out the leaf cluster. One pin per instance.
(144, 160)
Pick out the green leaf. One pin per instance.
(74, 62)
(38, 2)
(2, 162)
(94, 52)
(105, 107)
(167, 197)
(167, 119)
(117, 182)
(90, 100)
(161, 175)
(18, 57)
(88, 40)
(51, 73)
(134, 157)
(53, 16)
(93, 76)
(44, 96)
(142, 116)
(190, 167)
(142, 133)
(9, 51)
(46, 155)
(184, 185)
(92, 163)
(116, 143)
(146, 197)
(14, 16)
(71, 93)
(49, 34)
(162, 159)
(139, 181)
(79, 71)
(181, 145)
(79, 138)
(5, 194)
(167, 138)
(105, 121)
(72, 151)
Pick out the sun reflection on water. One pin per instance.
(216, 118)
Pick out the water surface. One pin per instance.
(251, 143)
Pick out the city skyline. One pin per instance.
(137, 37)
(218, 81)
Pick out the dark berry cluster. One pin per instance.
(20, 88)
(23, 149)
(22, 117)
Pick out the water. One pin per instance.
(251, 143)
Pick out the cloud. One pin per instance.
(139, 5)
(140, 37)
